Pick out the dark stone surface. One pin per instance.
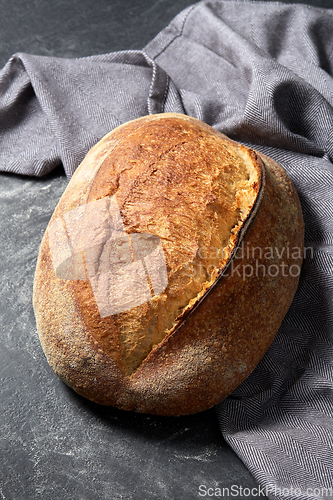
(55, 445)
(75, 28)
(78, 28)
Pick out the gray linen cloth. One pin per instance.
(262, 74)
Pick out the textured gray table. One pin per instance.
(53, 443)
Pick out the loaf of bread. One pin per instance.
(167, 267)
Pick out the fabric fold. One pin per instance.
(53, 110)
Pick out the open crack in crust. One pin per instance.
(195, 191)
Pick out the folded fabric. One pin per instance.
(262, 73)
(54, 110)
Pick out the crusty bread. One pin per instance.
(167, 267)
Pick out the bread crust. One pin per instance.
(221, 335)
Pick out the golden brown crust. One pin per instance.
(191, 357)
